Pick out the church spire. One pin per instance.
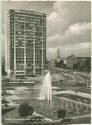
(58, 54)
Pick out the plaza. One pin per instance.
(65, 95)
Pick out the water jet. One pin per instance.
(46, 89)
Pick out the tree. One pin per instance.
(3, 71)
(61, 114)
(25, 109)
(60, 64)
(88, 65)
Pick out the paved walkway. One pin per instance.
(73, 101)
(34, 114)
(76, 117)
(81, 94)
(47, 119)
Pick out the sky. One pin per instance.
(68, 25)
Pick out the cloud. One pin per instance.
(55, 23)
(77, 33)
(51, 53)
(54, 41)
(78, 46)
(65, 14)
(78, 28)
(75, 40)
(69, 28)
(68, 25)
(78, 49)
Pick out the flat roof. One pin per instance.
(31, 11)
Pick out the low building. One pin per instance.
(78, 63)
(70, 61)
(82, 60)
(85, 63)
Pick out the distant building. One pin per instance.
(27, 43)
(82, 60)
(70, 61)
(85, 63)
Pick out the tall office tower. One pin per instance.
(27, 43)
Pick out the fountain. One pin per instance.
(46, 89)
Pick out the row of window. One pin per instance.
(29, 60)
(31, 42)
(20, 45)
(24, 18)
(24, 24)
(20, 71)
(30, 57)
(28, 25)
(24, 34)
(32, 38)
(32, 14)
(22, 27)
(39, 46)
(30, 33)
(40, 34)
(24, 37)
(29, 50)
(20, 57)
(36, 19)
(19, 60)
(37, 63)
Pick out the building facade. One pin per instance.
(70, 61)
(27, 43)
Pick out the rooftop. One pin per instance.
(23, 11)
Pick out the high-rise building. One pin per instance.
(27, 43)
